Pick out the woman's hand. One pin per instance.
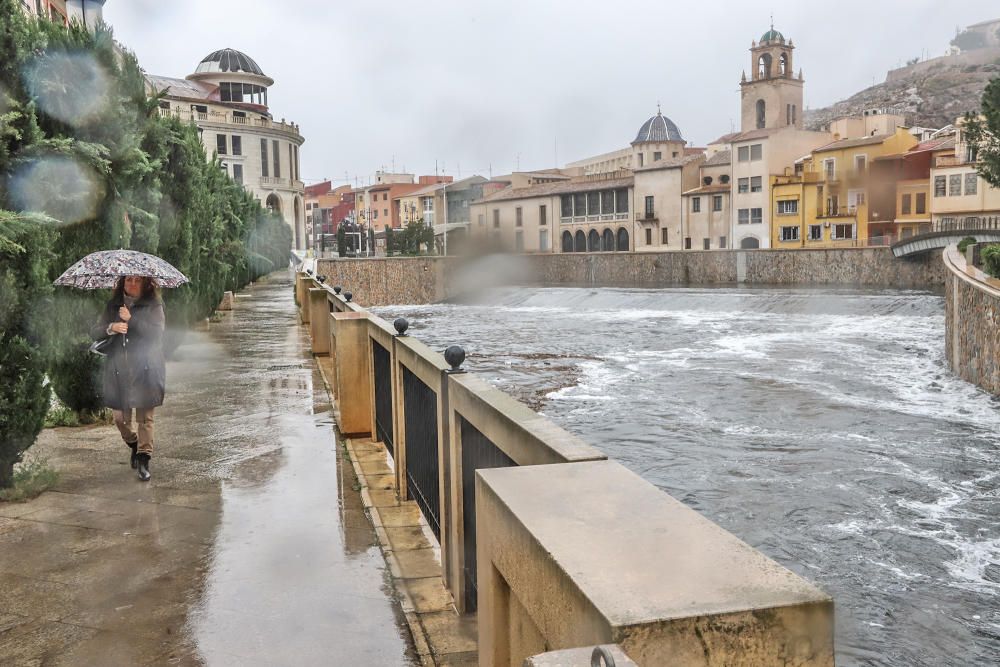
(124, 315)
(120, 327)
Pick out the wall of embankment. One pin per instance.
(417, 280)
(972, 322)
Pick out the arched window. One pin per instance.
(622, 239)
(783, 65)
(273, 204)
(593, 241)
(764, 66)
(581, 242)
(300, 227)
(567, 242)
(608, 240)
(762, 114)
(750, 243)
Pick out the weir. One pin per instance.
(550, 544)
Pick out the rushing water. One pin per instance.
(822, 427)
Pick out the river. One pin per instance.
(823, 427)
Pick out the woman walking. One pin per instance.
(134, 371)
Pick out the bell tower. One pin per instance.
(772, 97)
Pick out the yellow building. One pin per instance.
(824, 203)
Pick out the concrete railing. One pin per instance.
(555, 546)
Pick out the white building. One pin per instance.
(226, 97)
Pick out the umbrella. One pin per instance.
(101, 270)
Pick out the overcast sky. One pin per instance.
(475, 85)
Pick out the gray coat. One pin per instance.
(135, 374)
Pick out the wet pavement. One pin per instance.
(250, 546)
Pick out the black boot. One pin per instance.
(143, 460)
(133, 460)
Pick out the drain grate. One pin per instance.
(284, 367)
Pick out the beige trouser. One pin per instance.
(144, 418)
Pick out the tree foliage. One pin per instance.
(87, 164)
(982, 131)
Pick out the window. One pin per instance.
(580, 204)
(593, 203)
(955, 185)
(907, 206)
(706, 244)
(939, 186)
(744, 216)
(649, 236)
(789, 207)
(657, 155)
(716, 202)
(649, 206)
(695, 204)
(518, 217)
(743, 154)
(971, 181)
(237, 145)
(921, 202)
(543, 239)
(543, 215)
(640, 159)
(756, 184)
(722, 242)
(815, 232)
(830, 169)
(724, 179)
(789, 233)
(295, 164)
(496, 218)
(263, 158)
(385, 196)
(842, 232)
(220, 144)
(621, 201)
(385, 212)
(687, 242)
(608, 202)
(743, 185)
(761, 114)
(277, 159)
(756, 152)
(756, 216)
(375, 214)
(860, 163)
(664, 237)
(238, 173)
(566, 206)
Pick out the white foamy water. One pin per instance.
(822, 427)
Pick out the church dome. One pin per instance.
(658, 128)
(228, 60)
(772, 35)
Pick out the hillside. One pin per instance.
(929, 94)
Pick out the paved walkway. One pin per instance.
(249, 547)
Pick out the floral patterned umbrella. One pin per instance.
(101, 270)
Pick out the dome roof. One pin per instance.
(229, 60)
(772, 35)
(658, 128)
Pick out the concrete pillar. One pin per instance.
(319, 322)
(581, 554)
(353, 378)
(303, 282)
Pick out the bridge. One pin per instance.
(948, 232)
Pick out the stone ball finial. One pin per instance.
(347, 296)
(336, 290)
(401, 325)
(321, 279)
(455, 356)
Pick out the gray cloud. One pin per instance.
(480, 84)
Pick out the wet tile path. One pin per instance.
(249, 547)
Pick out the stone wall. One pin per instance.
(385, 281)
(972, 323)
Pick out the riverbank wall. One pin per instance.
(418, 280)
(972, 322)
(544, 544)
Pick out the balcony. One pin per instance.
(229, 118)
